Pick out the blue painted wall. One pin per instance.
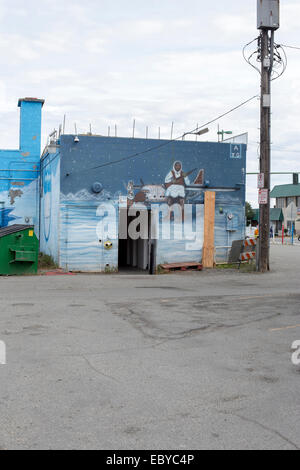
(80, 159)
(107, 162)
(30, 125)
(19, 170)
(50, 204)
(82, 238)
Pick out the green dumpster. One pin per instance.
(19, 249)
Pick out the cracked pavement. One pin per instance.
(180, 361)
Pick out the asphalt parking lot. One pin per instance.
(180, 361)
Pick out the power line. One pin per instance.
(277, 59)
(129, 157)
(290, 47)
(249, 58)
(278, 63)
(161, 145)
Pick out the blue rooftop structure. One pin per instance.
(19, 169)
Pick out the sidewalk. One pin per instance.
(287, 241)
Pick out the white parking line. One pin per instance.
(285, 243)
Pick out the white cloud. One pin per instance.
(53, 43)
(17, 48)
(95, 44)
(104, 62)
(144, 27)
(289, 17)
(232, 25)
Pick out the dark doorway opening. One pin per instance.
(135, 255)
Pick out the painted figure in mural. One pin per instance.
(130, 191)
(175, 183)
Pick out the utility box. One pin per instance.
(19, 250)
(268, 14)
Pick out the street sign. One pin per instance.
(291, 211)
(263, 196)
(236, 151)
(261, 181)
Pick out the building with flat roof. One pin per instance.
(19, 169)
(276, 219)
(288, 199)
(93, 186)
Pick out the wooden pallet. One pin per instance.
(58, 272)
(189, 266)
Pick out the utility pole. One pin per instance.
(265, 153)
(268, 21)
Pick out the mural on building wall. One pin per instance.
(50, 203)
(186, 239)
(176, 189)
(83, 248)
(6, 216)
(89, 230)
(81, 206)
(19, 186)
(19, 205)
(88, 236)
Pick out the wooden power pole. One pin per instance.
(265, 154)
(267, 22)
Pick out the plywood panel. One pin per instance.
(209, 230)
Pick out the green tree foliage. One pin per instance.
(249, 212)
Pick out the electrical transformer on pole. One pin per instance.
(267, 22)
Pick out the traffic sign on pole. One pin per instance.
(261, 181)
(263, 196)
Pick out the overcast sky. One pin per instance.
(108, 62)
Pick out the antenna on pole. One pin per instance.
(52, 136)
(64, 124)
(76, 140)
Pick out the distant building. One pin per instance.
(19, 169)
(288, 199)
(276, 219)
